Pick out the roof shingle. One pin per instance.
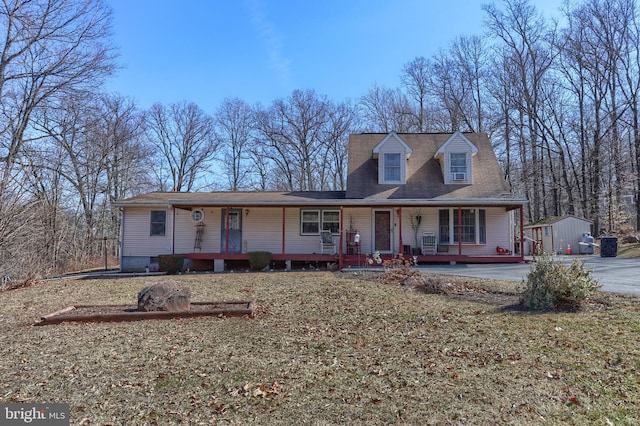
(424, 175)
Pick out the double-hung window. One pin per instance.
(158, 223)
(313, 221)
(469, 227)
(331, 221)
(458, 166)
(392, 167)
(310, 222)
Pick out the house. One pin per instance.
(439, 197)
(556, 235)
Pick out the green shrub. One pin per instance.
(171, 263)
(550, 284)
(258, 260)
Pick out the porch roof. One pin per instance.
(303, 199)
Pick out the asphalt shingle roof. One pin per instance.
(425, 183)
(424, 174)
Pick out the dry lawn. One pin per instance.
(323, 349)
(629, 251)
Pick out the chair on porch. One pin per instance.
(429, 243)
(327, 243)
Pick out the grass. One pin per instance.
(629, 251)
(323, 349)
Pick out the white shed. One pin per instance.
(556, 234)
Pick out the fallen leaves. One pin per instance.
(324, 350)
(258, 390)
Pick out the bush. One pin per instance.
(550, 284)
(171, 263)
(258, 260)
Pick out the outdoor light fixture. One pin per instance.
(246, 212)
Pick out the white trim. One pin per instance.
(197, 220)
(383, 169)
(443, 149)
(394, 135)
(320, 221)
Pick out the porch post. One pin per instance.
(226, 231)
(340, 254)
(173, 230)
(459, 231)
(400, 229)
(283, 227)
(521, 232)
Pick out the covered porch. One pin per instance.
(289, 234)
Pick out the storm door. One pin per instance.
(235, 231)
(382, 230)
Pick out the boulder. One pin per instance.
(165, 295)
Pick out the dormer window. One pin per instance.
(455, 158)
(458, 166)
(392, 154)
(392, 167)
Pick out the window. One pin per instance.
(158, 223)
(482, 226)
(331, 221)
(468, 223)
(234, 220)
(443, 220)
(312, 221)
(392, 167)
(197, 215)
(458, 166)
(473, 229)
(458, 162)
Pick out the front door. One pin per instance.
(235, 231)
(382, 225)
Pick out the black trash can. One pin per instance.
(608, 247)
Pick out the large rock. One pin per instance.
(166, 295)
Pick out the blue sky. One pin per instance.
(259, 50)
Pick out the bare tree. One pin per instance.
(264, 170)
(184, 136)
(293, 131)
(471, 61)
(68, 131)
(525, 41)
(630, 86)
(592, 47)
(118, 129)
(415, 79)
(386, 110)
(51, 48)
(449, 89)
(342, 119)
(234, 125)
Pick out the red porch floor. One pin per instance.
(359, 260)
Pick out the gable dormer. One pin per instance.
(455, 159)
(392, 154)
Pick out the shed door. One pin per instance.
(382, 224)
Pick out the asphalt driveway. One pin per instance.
(616, 275)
